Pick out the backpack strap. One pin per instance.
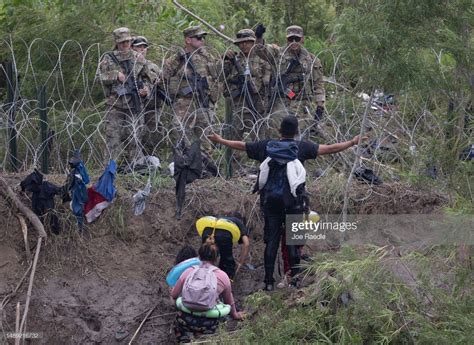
(213, 234)
(114, 58)
(263, 173)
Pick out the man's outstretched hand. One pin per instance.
(358, 139)
(215, 138)
(229, 54)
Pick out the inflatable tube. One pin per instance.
(176, 271)
(221, 224)
(220, 310)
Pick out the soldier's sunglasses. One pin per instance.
(200, 38)
(294, 39)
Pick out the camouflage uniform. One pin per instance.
(191, 116)
(306, 82)
(123, 123)
(153, 131)
(247, 80)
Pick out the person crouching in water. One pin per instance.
(200, 288)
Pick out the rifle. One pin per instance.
(245, 85)
(161, 94)
(280, 85)
(198, 84)
(130, 86)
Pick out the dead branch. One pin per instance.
(30, 286)
(213, 29)
(24, 229)
(17, 323)
(161, 315)
(9, 194)
(7, 298)
(141, 324)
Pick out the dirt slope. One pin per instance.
(90, 288)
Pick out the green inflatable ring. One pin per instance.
(220, 310)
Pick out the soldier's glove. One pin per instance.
(260, 30)
(229, 55)
(319, 113)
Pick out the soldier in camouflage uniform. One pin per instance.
(298, 87)
(247, 80)
(126, 93)
(190, 79)
(152, 133)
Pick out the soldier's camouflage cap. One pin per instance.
(122, 35)
(245, 35)
(294, 30)
(139, 41)
(194, 31)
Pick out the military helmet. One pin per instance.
(245, 35)
(194, 31)
(122, 35)
(139, 41)
(294, 30)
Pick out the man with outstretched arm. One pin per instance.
(274, 156)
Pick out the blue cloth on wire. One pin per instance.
(105, 185)
(81, 169)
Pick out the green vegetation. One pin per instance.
(368, 298)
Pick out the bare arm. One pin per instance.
(234, 144)
(335, 148)
(178, 288)
(244, 251)
(227, 294)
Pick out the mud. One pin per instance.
(96, 288)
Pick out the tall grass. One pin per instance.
(368, 296)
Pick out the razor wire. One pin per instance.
(76, 110)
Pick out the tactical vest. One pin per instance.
(116, 57)
(258, 74)
(182, 76)
(301, 75)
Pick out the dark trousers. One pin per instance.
(226, 262)
(274, 215)
(187, 325)
(288, 260)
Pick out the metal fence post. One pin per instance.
(228, 131)
(12, 97)
(43, 115)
